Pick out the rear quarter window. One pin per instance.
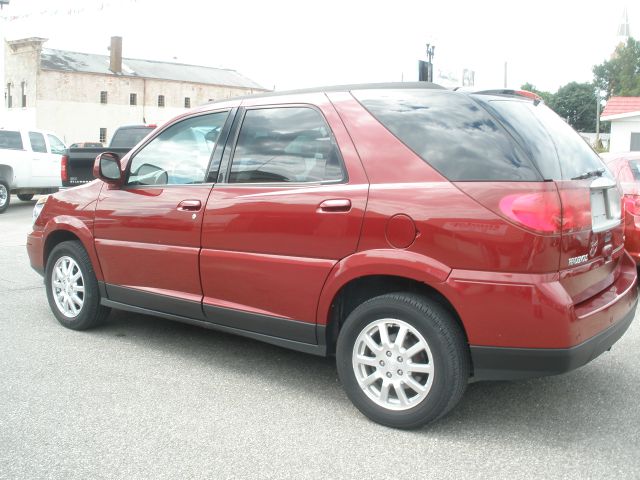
(129, 137)
(450, 132)
(11, 140)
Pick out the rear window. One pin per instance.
(557, 150)
(634, 166)
(10, 140)
(451, 132)
(129, 137)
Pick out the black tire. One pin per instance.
(449, 359)
(25, 197)
(91, 313)
(5, 196)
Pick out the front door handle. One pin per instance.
(190, 205)
(335, 205)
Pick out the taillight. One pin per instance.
(540, 207)
(538, 211)
(632, 204)
(576, 208)
(64, 168)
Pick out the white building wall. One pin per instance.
(77, 115)
(21, 65)
(621, 133)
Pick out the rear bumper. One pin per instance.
(499, 363)
(527, 325)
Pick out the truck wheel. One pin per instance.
(403, 360)
(72, 288)
(5, 196)
(25, 197)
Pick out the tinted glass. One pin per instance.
(634, 166)
(37, 142)
(285, 145)
(10, 140)
(129, 137)
(451, 132)
(180, 154)
(555, 147)
(56, 144)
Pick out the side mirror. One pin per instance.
(107, 168)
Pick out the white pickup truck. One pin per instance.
(30, 162)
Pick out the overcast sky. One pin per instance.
(303, 44)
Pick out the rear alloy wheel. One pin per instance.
(403, 360)
(25, 197)
(72, 288)
(5, 196)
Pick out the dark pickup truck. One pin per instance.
(77, 163)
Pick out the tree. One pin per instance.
(620, 76)
(576, 103)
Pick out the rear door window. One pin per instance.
(37, 142)
(558, 151)
(11, 140)
(451, 132)
(288, 144)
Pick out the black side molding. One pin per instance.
(498, 363)
(292, 334)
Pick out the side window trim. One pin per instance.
(230, 149)
(206, 180)
(218, 151)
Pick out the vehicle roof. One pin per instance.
(342, 88)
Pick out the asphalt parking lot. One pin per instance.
(142, 397)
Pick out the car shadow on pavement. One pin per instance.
(551, 409)
(239, 355)
(557, 410)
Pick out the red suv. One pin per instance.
(626, 168)
(425, 237)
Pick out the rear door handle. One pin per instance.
(190, 205)
(335, 205)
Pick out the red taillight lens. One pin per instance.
(576, 208)
(64, 168)
(539, 211)
(632, 204)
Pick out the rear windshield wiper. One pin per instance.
(589, 174)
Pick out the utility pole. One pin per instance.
(505, 74)
(597, 142)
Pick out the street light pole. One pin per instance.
(430, 53)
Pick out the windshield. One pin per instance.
(556, 148)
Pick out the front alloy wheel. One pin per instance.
(72, 287)
(68, 286)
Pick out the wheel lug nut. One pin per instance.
(389, 374)
(388, 354)
(399, 359)
(382, 363)
(399, 372)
